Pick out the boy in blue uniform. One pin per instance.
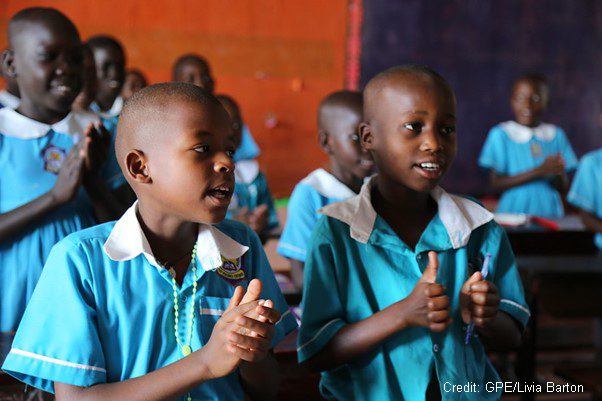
(53, 182)
(529, 160)
(152, 306)
(194, 69)
(392, 278)
(109, 58)
(339, 116)
(252, 201)
(586, 192)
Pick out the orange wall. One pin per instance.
(275, 57)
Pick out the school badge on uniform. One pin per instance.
(53, 157)
(232, 270)
(535, 149)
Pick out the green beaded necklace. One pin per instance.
(186, 348)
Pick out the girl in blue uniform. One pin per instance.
(392, 277)
(529, 160)
(52, 183)
(252, 202)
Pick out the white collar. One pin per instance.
(9, 100)
(522, 134)
(127, 240)
(328, 185)
(114, 111)
(18, 126)
(460, 216)
(246, 171)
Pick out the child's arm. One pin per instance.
(235, 338)
(297, 269)
(480, 302)
(590, 221)
(426, 306)
(552, 166)
(65, 189)
(96, 144)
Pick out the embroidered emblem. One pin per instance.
(536, 149)
(53, 157)
(232, 270)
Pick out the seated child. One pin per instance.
(252, 201)
(528, 160)
(194, 69)
(339, 116)
(392, 275)
(134, 81)
(586, 192)
(53, 181)
(151, 307)
(109, 58)
(9, 97)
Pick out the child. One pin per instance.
(86, 96)
(527, 158)
(109, 58)
(109, 333)
(339, 116)
(586, 192)
(194, 69)
(9, 97)
(392, 278)
(52, 183)
(252, 201)
(134, 81)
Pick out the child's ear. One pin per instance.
(366, 137)
(8, 65)
(136, 167)
(324, 141)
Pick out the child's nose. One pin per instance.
(223, 164)
(431, 142)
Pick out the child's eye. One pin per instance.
(230, 153)
(535, 98)
(202, 148)
(448, 131)
(416, 127)
(45, 56)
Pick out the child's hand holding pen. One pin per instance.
(427, 305)
(479, 300)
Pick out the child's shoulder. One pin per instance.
(592, 159)
(239, 232)
(321, 183)
(89, 237)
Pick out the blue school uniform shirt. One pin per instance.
(103, 310)
(357, 266)
(31, 154)
(512, 149)
(114, 111)
(586, 190)
(251, 190)
(318, 189)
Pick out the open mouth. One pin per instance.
(64, 89)
(430, 170)
(113, 84)
(220, 192)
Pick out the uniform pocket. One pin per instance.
(211, 309)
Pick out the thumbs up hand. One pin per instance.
(427, 305)
(479, 300)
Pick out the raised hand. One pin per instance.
(479, 301)
(70, 175)
(258, 219)
(427, 305)
(96, 140)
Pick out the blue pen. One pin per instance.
(484, 272)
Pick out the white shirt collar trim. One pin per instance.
(127, 241)
(328, 185)
(246, 171)
(9, 100)
(460, 216)
(17, 125)
(522, 134)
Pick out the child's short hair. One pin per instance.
(37, 14)
(536, 78)
(104, 41)
(189, 58)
